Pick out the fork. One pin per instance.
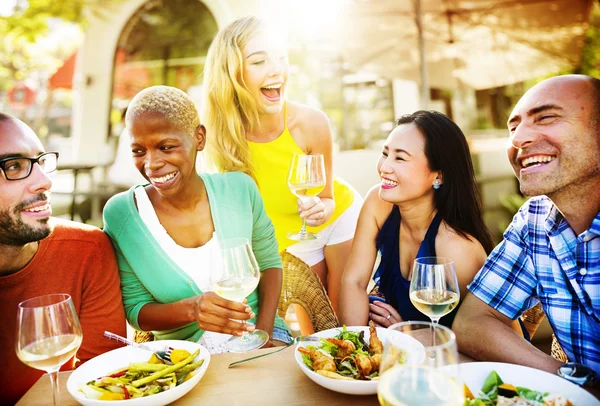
(294, 341)
(163, 354)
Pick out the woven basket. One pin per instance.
(303, 287)
(375, 292)
(532, 318)
(557, 352)
(142, 336)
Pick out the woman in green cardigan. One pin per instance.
(164, 231)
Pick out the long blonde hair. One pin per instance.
(229, 109)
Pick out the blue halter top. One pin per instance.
(388, 277)
(392, 285)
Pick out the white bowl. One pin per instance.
(121, 357)
(356, 387)
(474, 374)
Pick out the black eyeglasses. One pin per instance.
(17, 168)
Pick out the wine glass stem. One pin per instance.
(434, 324)
(55, 387)
(303, 229)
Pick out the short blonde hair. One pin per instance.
(174, 104)
(230, 110)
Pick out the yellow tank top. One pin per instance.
(272, 161)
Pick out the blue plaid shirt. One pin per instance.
(541, 259)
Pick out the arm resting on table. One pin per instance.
(487, 335)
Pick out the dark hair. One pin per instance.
(5, 116)
(458, 199)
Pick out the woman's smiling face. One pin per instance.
(164, 155)
(403, 166)
(266, 72)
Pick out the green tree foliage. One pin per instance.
(590, 61)
(30, 18)
(20, 32)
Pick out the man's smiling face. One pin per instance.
(555, 143)
(24, 203)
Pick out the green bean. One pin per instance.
(163, 372)
(147, 367)
(192, 367)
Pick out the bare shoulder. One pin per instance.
(301, 115)
(308, 124)
(376, 208)
(467, 251)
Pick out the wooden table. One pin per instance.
(274, 380)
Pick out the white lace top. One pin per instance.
(193, 261)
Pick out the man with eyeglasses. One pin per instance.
(40, 255)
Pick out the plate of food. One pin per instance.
(499, 384)
(347, 359)
(135, 377)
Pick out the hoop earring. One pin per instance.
(436, 184)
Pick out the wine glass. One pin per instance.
(434, 289)
(48, 334)
(410, 377)
(306, 179)
(234, 275)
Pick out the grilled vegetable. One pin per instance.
(507, 390)
(143, 378)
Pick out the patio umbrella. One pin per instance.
(449, 43)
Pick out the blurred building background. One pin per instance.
(70, 67)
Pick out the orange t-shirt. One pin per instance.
(76, 259)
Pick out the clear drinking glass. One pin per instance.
(234, 275)
(48, 334)
(410, 376)
(306, 179)
(434, 289)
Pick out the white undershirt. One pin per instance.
(193, 261)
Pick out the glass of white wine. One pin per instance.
(306, 179)
(48, 334)
(434, 289)
(411, 378)
(234, 275)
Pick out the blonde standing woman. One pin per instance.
(255, 130)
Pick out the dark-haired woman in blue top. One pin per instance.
(427, 204)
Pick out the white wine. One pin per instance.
(434, 303)
(418, 386)
(50, 353)
(236, 289)
(307, 189)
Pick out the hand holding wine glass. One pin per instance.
(306, 179)
(415, 377)
(235, 275)
(218, 314)
(48, 334)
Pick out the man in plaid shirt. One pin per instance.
(551, 251)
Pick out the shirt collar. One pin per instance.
(595, 227)
(555, 218)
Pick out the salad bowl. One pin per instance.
(474, 375)
(412, 347)
(116, 359)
